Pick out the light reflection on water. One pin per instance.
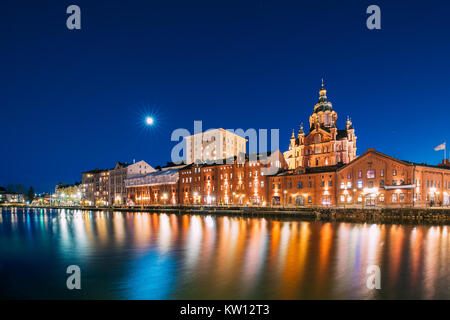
(167, 256)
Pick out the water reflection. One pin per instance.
(167, 256)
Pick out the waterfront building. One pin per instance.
(302, 188)
(234, 182)
(324, 144)
(13, 198)
(117, 191)
(42, 200)
(156, 188)
(213, 145)
(67, 194)
(373, 179)
(9, 197)
(94, 187)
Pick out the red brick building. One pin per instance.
(238, 182)
(371, 180)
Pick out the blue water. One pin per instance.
(167, 256)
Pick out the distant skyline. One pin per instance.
(76, 100)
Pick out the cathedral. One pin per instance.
(325, 144)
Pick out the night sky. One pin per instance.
(75, 100)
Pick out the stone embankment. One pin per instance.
(371, 215)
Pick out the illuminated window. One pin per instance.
(370, 174)
(394, 197)
(359, 184)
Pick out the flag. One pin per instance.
(440, 147)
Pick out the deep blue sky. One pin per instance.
(76, 100)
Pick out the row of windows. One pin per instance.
(437, 184)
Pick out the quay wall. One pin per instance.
(378, 215)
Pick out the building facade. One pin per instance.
(303, 188)
(325, 144)
(235, 182)
(117, 176)
(213, 145)
(156, 188)
(95, 187)
(67, 194)
(371, 180)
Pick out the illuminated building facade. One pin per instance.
(236, 182)
(67, 194)
(325, 144)
(117, 191)
(308, 187)
(156, 188)
(95, 187)
(371, 180)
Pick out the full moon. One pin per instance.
(149, 121)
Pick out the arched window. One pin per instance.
(326, 119)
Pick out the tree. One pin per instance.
(30, 194)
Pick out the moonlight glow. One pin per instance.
(149, 121)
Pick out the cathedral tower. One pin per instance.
(325, 144)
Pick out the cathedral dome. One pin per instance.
(323, 112)
(323, 104)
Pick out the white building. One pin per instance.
(212, 145)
